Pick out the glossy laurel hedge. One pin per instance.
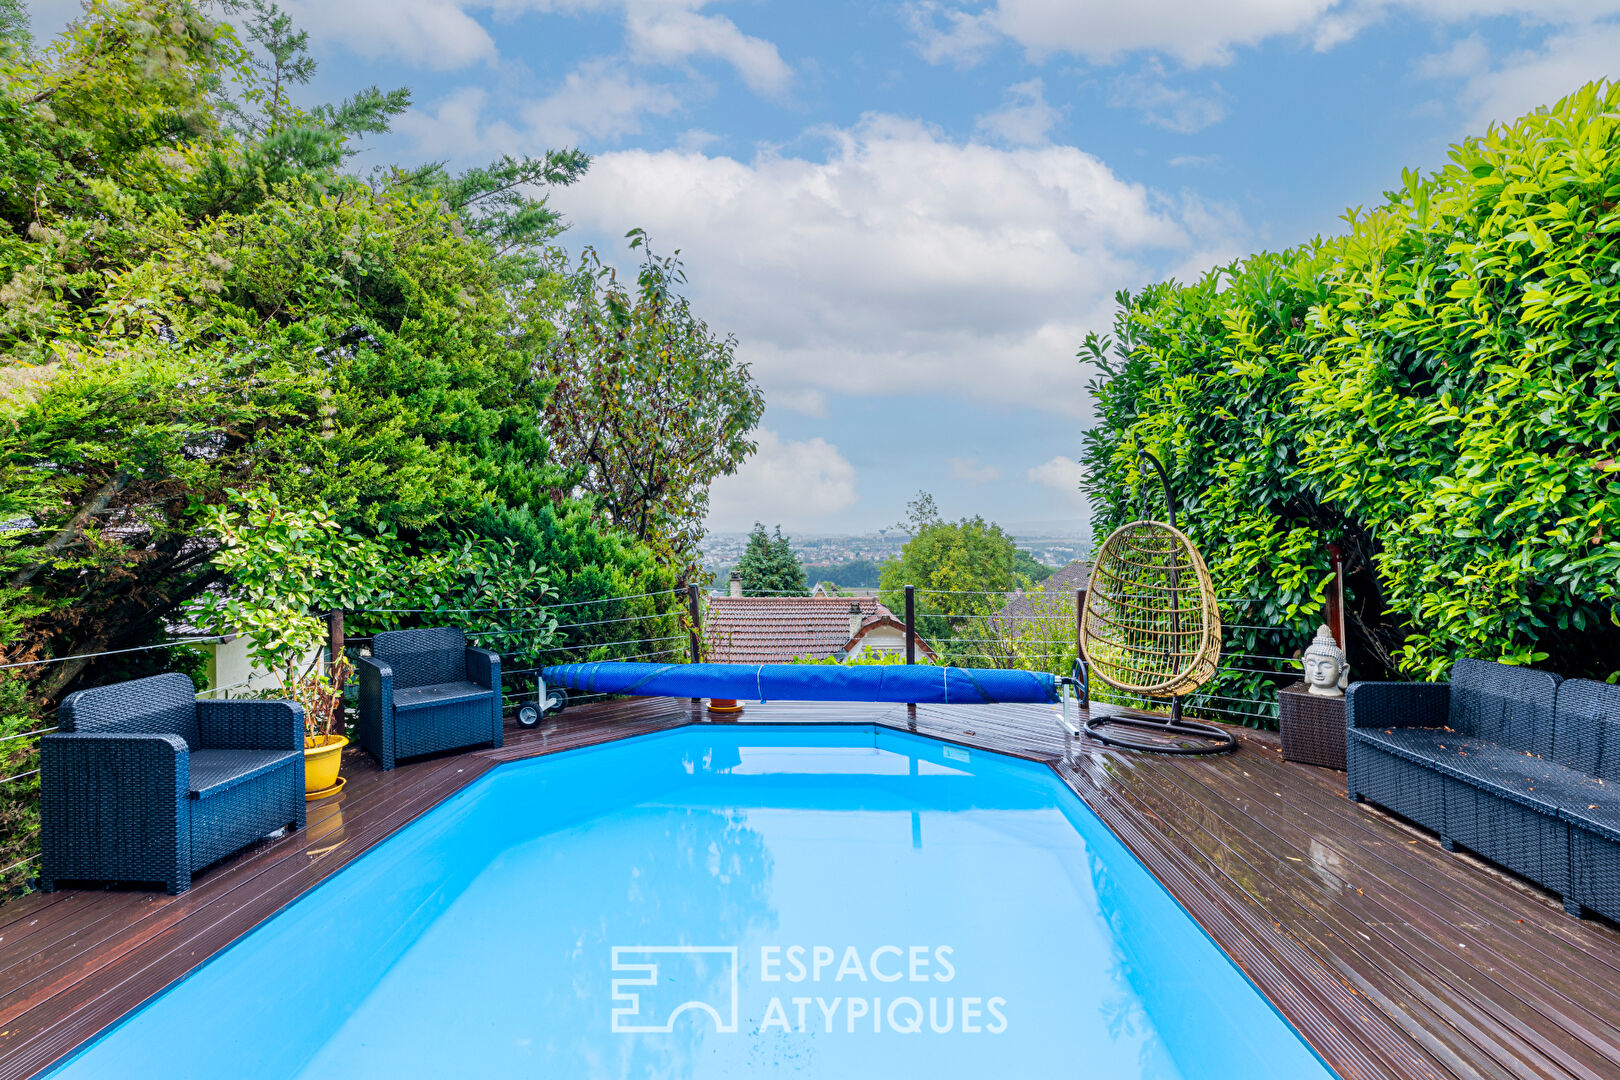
(1435, 389)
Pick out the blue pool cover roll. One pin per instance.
(924, 684)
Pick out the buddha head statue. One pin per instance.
(1327, 670)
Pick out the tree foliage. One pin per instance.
(649, 405)
(854, 574)
(769, 566)
(14, 36)
(198, 300)
(962, 571)
(1436, 390)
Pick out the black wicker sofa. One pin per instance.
(424, 691)
(1513, 764)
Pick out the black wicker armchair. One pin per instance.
(422, 691)
(1513, 764)
(143, 783)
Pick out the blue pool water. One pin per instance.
(728, 902)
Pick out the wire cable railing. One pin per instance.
(1004, 639)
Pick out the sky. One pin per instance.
(910, 214)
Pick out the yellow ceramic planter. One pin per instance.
(323, 755)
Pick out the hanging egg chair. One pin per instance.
(1150, 627)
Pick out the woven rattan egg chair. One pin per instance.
(1150, 627)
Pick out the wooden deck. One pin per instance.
(1392, 957)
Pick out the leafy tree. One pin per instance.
(350, 346)
(286, 567)
(769, 566)
(197, 300)
(14, 36)
(962, 572)
(1435, 390)
(649, 405)
(498, 202)
(1029, 567)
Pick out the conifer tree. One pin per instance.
(769, 567)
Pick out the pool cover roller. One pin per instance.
(923, 684)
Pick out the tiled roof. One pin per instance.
(923, 648)
(776, 629)
(1059, 587)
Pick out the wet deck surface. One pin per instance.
(1392, 957)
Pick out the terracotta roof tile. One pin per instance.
(776, 629)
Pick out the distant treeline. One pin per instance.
(855, 574)
(865, 573)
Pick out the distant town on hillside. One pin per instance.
(853, 561)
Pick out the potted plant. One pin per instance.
(321, 695)
(283, 567)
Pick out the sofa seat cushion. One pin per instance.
(214, 771)
(1595, 809)
(421, 697)
(1531, 781)
(1425, 746)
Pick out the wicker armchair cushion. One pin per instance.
(417, 697)
(156, 705)
(423, 657)
(1502, 704)
(1587, 728)
(213, 771)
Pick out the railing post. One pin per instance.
(1079, 620)
(697, 621)
(334, 644)
(1335, 599)
(911, 648)
(911, 624)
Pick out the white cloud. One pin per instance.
(795, 483)
(969, 471)
(445, 34)
(1025, 120)
(904, 262)
(963, 39)
(1195, 161)
(1519, 82)
(696, 140)
(437, 34)
(1466, 57)
(599, 101)
(672, 34)
(1061, 476)
(455, 126)
(1163, 105)
(1194, 32)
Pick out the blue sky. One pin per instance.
(911, 213)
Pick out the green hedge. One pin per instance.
(1435, 390)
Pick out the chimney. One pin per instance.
(854, 618)
(736, 583)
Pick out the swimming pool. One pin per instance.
(840, 902)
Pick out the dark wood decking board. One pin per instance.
(1393, 958)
